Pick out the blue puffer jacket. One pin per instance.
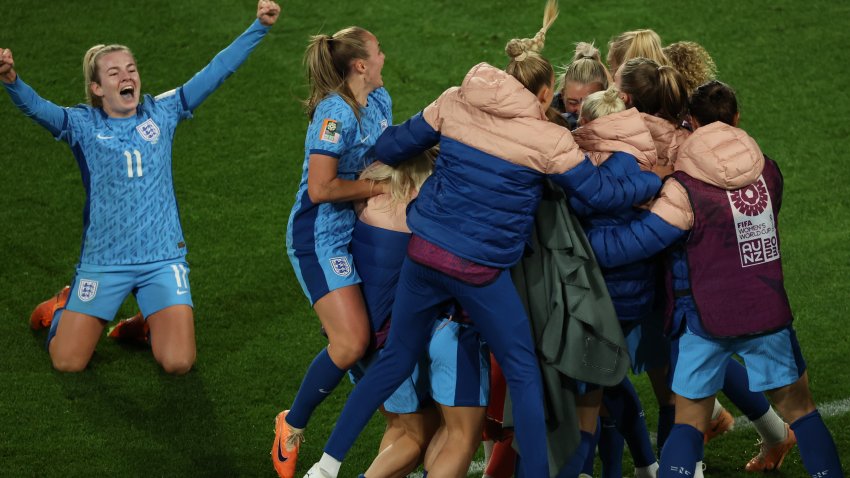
(625, 140)
(496, 148)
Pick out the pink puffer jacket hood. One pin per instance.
(624, 131)
(668, 138)
(718, 154)
(721, 155)
(493, 113)
(495, 92)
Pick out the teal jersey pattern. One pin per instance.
(130, 215)
(336, 132)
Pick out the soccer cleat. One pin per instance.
(133, 329)
(287, 442)
(771, 457)
(720, 425)
(42, 316)
(316, 471)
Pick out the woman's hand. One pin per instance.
(268, 12)
(7, 66)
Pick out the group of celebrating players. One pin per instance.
(403, 238)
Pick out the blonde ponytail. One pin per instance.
(601, 103)
(527, 65)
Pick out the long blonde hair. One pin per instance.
(328, 60)
(527, 65)
(405, 179)
(635, 44)
(91, 70)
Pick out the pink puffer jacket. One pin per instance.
(668, 138)
(718, 154)
(625, 131)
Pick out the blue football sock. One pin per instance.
(817, 449)
(576, 462)
(631, 423)
(736, 386)
(321, 378)
(611, 444)
(666, 418)
(53, 326)
(591, 455)
(681, 452)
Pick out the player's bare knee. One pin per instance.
(346, 353)
(177, 366)
(68, 364)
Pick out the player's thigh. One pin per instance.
(173, 338)
(75, 338)
(342, 313)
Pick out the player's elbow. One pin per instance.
(317, 193)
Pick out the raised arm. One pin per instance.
(27, 100)
(197, 89)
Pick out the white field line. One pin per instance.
(830, 409)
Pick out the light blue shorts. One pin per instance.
(772, 361)
(320, 272)
(459, 367)
(411, 396)
(100, 290)
(648, 347)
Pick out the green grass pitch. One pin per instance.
(236, 168)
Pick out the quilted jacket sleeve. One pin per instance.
(404, 141)
(603, 188)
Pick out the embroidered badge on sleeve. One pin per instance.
(330, 131)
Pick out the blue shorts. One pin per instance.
(411, 396)
(459, 367)
(100, 290)
(648, 347)
(320, 272)
(772, 361)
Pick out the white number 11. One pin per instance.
(130, 163)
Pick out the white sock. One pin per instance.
(329, 465)
(771, 427)
(698, 471)
(717, 409)
(650, 471)
(488, 450)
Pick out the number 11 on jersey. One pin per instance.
(130, 163)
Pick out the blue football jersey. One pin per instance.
(335, 131)
(130, 215)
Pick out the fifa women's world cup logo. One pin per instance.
(752, 214)
(751, 200)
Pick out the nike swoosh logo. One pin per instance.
(363, 140)
(181, 292)
(322, 390)
(100, 136)
(280, 456)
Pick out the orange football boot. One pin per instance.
(133, 329)
(720, 425)
(770, 457)
(287, 442)
(42, 316)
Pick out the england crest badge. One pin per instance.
(87, 290)
(340, 266)
(149, 131)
